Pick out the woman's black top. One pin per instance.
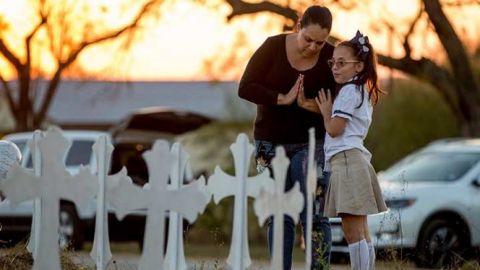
(269, 73)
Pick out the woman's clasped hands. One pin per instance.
(292, 95)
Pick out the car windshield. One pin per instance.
(431, 167)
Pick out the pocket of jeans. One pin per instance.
(264, 154)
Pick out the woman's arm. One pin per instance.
(251, 87)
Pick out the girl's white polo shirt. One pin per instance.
(354, 105)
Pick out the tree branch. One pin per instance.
(427, 70)
(240, 7)
(461, 3)
(346, 5)
(145, 9)
(8, 54)
(25, 73)
(50, 93)
(28, 40)
(62, 65)
(406, 42)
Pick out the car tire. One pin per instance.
(442, 244)
(69, 230)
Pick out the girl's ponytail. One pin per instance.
(364, 52)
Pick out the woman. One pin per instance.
(282, 78)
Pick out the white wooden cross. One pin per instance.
(101, 252)
(311, 189)
(125, 197)
(175, 256)
(278, 204)
(240, 186)
(36, 214)
(54, 183)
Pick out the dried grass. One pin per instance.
(18, 258)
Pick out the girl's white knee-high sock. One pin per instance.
(371, 255)
(359, 257)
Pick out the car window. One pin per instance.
(20, 144)
(431, 166)
(29, 162)
(80, 153)
(129, 155)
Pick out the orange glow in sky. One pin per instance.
(175, 46)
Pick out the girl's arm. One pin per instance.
(336, 125)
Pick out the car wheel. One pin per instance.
(70, 234)
(442, 244)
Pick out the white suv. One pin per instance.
(433, 197)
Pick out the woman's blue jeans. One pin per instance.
(297, 172)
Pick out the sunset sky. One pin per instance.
(175, 46)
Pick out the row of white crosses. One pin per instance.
(49, 182)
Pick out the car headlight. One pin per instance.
(400, 203)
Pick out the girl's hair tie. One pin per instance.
(361, 42)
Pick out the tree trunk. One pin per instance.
(471, 128)
(23, 110)
(466, 86)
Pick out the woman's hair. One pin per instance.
(317, 15)
(365, 53)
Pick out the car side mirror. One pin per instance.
(476, 182)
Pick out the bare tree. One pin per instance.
(455, 81)
(66, 29)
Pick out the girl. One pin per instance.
(353, 192)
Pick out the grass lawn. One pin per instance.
(214, 256)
